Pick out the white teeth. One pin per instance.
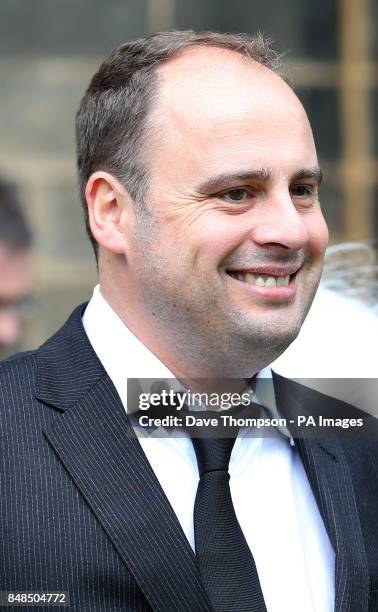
(266, 281)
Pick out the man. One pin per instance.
(199, 173)
(15, 266)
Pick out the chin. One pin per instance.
(271, 337)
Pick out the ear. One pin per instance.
(109, 207)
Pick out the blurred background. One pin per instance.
(49, 49)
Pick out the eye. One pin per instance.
(301, 191)
(235, 195)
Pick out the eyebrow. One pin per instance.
(263, 175)
(309, 173)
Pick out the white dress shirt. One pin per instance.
(271, 494)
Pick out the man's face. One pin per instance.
(228, 254)
(15, 281)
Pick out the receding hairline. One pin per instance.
(189, 54)
(200, 48)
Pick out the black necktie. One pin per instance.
(225, 561)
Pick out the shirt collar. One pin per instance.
(121, 353)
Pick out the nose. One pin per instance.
(10, 327)
(279, 223)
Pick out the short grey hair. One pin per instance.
(112, 118)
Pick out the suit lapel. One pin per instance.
(98, 447)
(328, 473)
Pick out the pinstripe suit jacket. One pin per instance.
(82, 511)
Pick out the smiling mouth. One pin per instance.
(262, 280)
